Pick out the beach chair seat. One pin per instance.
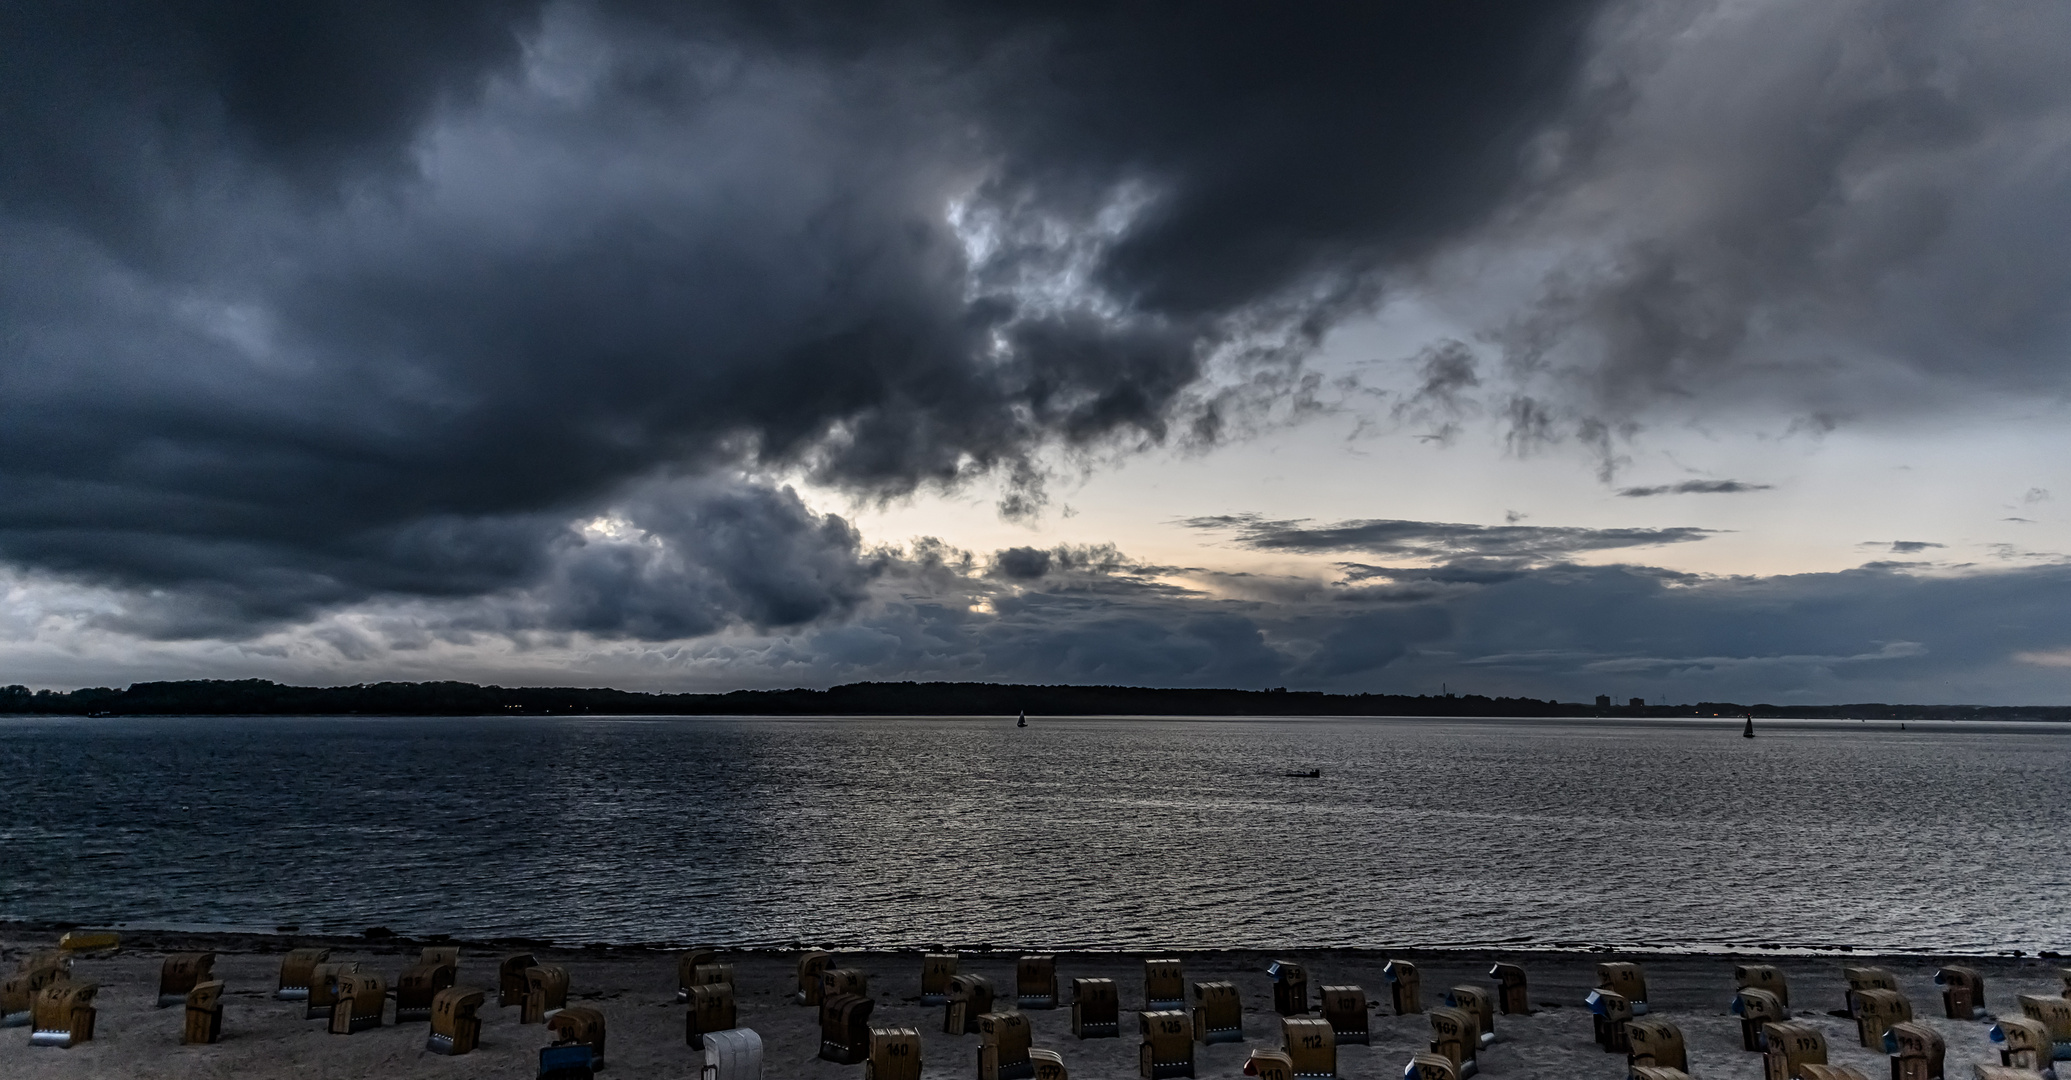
(1096, 1009)
(1311, 1045)
(1478, 1001)
(1429, 1066)
(1218, 1013)
(1655, 1042)
(1831, 1072)
(546, 993)
(580, 1025)
(1789, 1048)
(1164, 986)
(1290, 987)
(322, 998)
(894, 1054)
(1757, 1009)
(1269, 1065)
(181, 973)
(1608, 1012)
(734, 1054)
(570, 1062)
(1456, 1036)
(1004, 1052)
(1762, 977)
(203, 1022)
(1963, 992)
(1917, 1051)
(1864, 978)
(18, 992)
(687, 964)
(1049, 1065)
(711, 1009)
(936, 969)
(1876, 1011)
(1345, 1009)
(362, 998)
(1168, 1044)
(1035, 981)
(2022, 1043)
(1512, 995)
(419, 985)
(2054, 1014)
(970, 997)
(63, 1014)
(845, 1028)
(810, 966)
(455, 1027)
(1405, 987)
(1627, 980)
(295, 970)
(511, 988)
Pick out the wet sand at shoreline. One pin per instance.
(635, 989)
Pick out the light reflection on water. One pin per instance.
(1069, 834)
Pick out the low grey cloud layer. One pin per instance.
(1438, 540)
(1692, 487)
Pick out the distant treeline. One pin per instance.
(258, 697)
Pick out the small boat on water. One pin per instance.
(1312, 774)
(1748, 732)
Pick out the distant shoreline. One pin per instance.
(259, 697)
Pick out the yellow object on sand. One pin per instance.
(82, 940)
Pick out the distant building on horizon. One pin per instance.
(1603, 701)
(1638, 703)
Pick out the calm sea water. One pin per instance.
(1069, 834)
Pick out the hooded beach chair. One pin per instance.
(322, 998)
(2054, 1014)
(845, 1028)
(936, 969)
(511, 988)
(1478, 1001)
(1035, 981)
(1762, 977)
(1655, 1042)
(182, 972)
(295, 970)
(894, 1054)
(1218, 1013)
(455, 1027)
(735, 1054)
(711, 1010)
(203, 1019)
(63, 1014)
(362, 998)
(1003, 1051)
(1655, 1072)
(1345, 1009)
(1512, 997)
(1876, 1011)
(1096, 1009)
(18, 993)
(1168, 1044)
(1290, 987)
(1311, 1045)
(418, 986)
(1269, 1065)
(546, 993)
(1429, 1066)
(687, 965)
(970, 997)
(1608, 1011)
(1164, 986)
(1963, 992)
(580, 1025)
(1789, 1047)
(2022, 1043)
(1405, 987)
(1865, 978)
(810, 967)
(1831, 1072)
(1917, 1051)
(1049, 1065)
(844, 980)
(1628, 980)
(1757, 1009)
(1456, 1036)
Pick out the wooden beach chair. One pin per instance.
(735, 1054)
(1917, 1051)
(455, 1027)
(1003, 1053)
(1164, 986)
(18, 993)
(2054, 1013)
(1096, 1009)
(1218, 1013)
(845, 1028)
(1290, 987)
(835, 982)
(1982, 1071)
(2022, 1043)
(580, 1025)
(362, 998)
(203, 1020)
(62, 1014)
(182, 972)
(511, 987)
(1655, 1072)
(810, 966)
(1405, 987)
(1269, 1065)
(1428, 1066)
(687, 964)
(1478, 1001)
(1512, 996)
(295, 970)
(1831, 1072)
(1627, 980)
(1757, 1009)
(936, 969)
(1345, 1008)
(970, 997)
(546, 992)
(711, 1009)
(1049, 1065)
(1310, 1044)
(1762, 977)
(437, 968)
(1963, 992)
(322, 999)
(1609, 1010)
(1655, 1042)
(894, 1054)
(1456, 1036)
(1865, 978)
(1035, 982)
(1789, 1048)
(1876, 1011)
(1168, 1044)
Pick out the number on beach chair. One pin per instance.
(711, 1010)
(1405, 987)
(63, 1014)
(1311, 1045)
(1218, 1013)
(1290, 987)
(894, 1054)
(1164, 986)
(1096, 1009)
(455, 1029)
(1345, 1008)
(1003, 1053)
(362, 997)
(1168, 1044)
(936, 969)
(1035, 982)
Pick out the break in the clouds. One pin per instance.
(379, 335)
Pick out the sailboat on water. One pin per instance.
(1023, 722)
(1748, 732)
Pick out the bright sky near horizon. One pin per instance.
(1686, 350)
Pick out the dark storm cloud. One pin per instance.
(1693, 487)
(1437, 539)
(312, 302)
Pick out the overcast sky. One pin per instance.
(1676, 350)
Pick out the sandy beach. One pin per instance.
(635, 988)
